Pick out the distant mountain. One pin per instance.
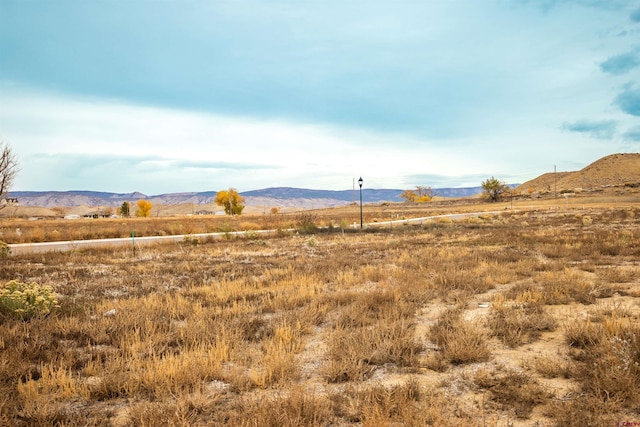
(457, 192)
(50, 199)
(368, 195)
(279, 196)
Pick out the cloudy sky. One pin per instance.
(164, 96)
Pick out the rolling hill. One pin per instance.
(615, 170)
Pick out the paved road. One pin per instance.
(27, 248)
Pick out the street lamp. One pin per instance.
(360, 184)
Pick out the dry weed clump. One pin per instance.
(511, 389)
(278, 361)
(613, 275)
(606, 365)
(44, 399)
(549, 366)
(607, 359)
(567, 286)
(583, 411)
(459, 341)
(455, 277)
(375, 330)
(408, 404)
(297, 407)
(521, 321)
(611, 310)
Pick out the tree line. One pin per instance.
(493, 190)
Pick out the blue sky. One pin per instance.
(166, 96)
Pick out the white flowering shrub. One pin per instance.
(26, 300)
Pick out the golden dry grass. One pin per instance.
(476, 322)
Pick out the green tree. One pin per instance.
(493, 189)
(144, 208)
(232, 202)
(125, 210)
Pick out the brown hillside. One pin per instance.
(613, 170)
(27, 212)
(545, 182)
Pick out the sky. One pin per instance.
(164, 96)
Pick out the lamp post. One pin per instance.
(360, 184)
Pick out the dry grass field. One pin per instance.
(526, 318)
(22, 230)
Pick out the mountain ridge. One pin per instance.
(260, 197)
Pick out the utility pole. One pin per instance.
(555, 182)
(360, 181)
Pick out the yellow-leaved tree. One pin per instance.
(144, 208)
(419, 195)
(232, 202)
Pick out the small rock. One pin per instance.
(216, 385)
(110, 313)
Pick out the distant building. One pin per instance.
(9, 201)
(102, 213)
(205, 212)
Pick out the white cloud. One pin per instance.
(60, 140)
(77, 144)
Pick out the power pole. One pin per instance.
(555, 182)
